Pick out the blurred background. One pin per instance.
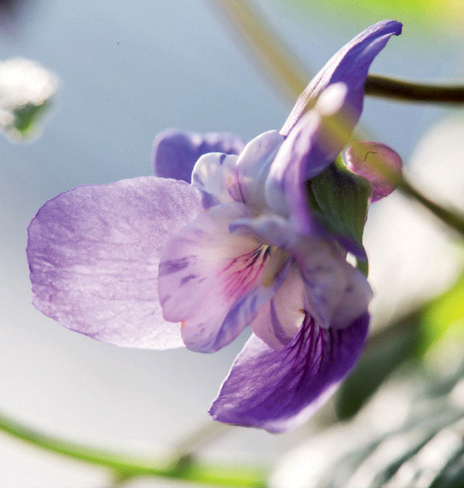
(127, 71)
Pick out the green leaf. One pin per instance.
(442, 316)
(342, 199)
(413, 13)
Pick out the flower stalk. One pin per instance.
(411, 91)
(127, 467)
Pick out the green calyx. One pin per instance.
(340, 199)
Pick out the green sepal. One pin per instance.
(340, 199)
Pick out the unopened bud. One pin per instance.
(376, 162)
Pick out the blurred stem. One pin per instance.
(126, 467)
(266, 46)
(270, 49)
(395, 328)
(189, 447)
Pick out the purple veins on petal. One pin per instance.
(376, 162)
(279, 390)
(94, 253)
(175, 152)
(221, 269)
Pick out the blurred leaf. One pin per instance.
(376, 365)
(409, 338)
(26, 93)
(342, 199)
(415, 13)
(410, 435)
(442, 314)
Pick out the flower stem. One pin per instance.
(410, 91)
(451, 217)
(126, 467)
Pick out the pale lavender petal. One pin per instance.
(335, 292)
(215, 173)
(205, 271)
(175, 152)
(253, 167)
(267, 228)
(94, 253)
(279, 390)
(350, 66)
(375, 162)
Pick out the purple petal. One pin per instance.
(205, 272)
(279, 390)
(350, 66)
(312, 145)
(175, 152)
(253, 167)
(336, 293)
(94, 253)
(375, 161)
(280, 318)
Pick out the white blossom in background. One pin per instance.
(25, 88)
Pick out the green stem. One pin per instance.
(452, 218)
(411, 91)
(128, 467)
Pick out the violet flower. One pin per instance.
(155, 262)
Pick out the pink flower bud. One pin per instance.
(376, 162)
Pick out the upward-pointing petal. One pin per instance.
(350, 66)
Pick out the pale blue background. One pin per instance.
(127, 71)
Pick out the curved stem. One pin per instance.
(451, 217)
(127, 467)
(410, 91)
